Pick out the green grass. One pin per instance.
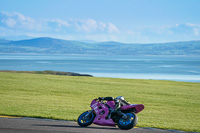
(168, 104)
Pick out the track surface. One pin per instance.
(33, 125)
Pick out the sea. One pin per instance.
(176, 68)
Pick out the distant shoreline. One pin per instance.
(49, 72)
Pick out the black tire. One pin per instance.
(85, 121)
(129, 122)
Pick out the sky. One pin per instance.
(128, 21)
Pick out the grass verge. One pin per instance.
(168, 104)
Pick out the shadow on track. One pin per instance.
(90, 127)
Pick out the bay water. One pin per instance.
(177, 68)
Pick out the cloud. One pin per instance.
(16, 20)
(9, 22)
(90, 25)
(196, 31)
(112, 28)
(20, 22)
(163, 33)
(87, 25)
(102, 26)
(59, 22)
(185, 29)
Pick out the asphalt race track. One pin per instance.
(33, 125)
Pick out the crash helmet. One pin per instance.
(119, 98)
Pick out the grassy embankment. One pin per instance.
(168, 104)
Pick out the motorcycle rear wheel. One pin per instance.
(84, 120)
(129, 122)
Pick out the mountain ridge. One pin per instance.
(47, 45)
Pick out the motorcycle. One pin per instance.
(103, 113)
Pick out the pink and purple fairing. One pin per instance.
(102, 111)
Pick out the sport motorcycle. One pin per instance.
(103, 113)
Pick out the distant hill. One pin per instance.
(57, 46)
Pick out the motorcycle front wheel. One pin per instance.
(86, 119)
(127, 122)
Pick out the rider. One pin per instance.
(119, 101)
